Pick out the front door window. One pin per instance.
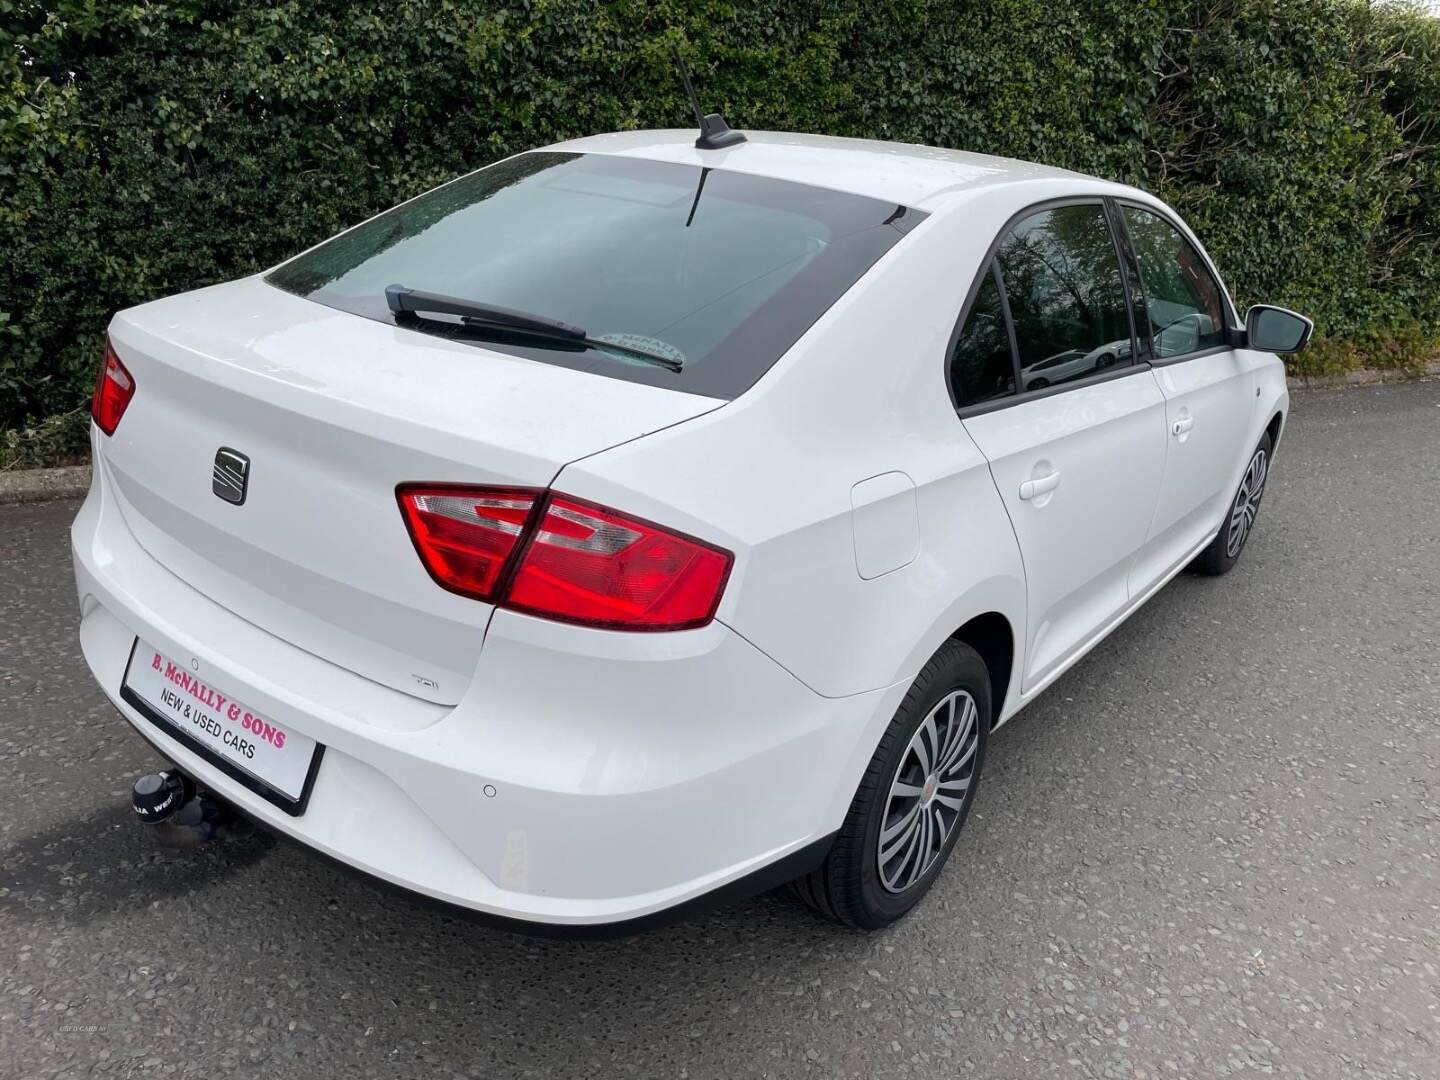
(1182, 298)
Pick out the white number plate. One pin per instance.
(252, 748)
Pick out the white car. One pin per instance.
(629, 524)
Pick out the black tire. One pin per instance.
(1224, 552)
(848, 886)
(1038, 384)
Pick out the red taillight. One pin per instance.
(578, 563)
(465, 535)
(587, 564)
(114, 387)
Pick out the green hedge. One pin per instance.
(147, 148)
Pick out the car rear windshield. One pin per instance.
(715, 273)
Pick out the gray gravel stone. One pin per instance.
(1212, 849)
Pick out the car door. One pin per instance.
(1077, 461)
(1209, 389)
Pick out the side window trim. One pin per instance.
(1116, 371)
(991, 265)
(1231, 312)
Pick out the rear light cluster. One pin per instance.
(114, 387)
(563, 558)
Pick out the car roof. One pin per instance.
(924, 177)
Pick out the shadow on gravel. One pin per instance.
(415, 978)
(80, 870)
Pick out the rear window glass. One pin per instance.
(715, 271)
(981, 364)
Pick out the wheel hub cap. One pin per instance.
(1247, 504)
(929, 792)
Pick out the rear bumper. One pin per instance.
(586, 778)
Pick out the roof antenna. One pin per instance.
(715, 134)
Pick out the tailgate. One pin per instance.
(332, 411)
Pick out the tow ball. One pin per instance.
(181, 814)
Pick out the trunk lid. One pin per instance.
(333, 411)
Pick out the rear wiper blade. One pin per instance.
(414, 303)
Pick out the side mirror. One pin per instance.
(1276, 330)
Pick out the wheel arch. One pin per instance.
(991, 635)
(1273, 429)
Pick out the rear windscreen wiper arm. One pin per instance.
(414, 303)
(405, 301)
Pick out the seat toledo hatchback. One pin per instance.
(627, 524)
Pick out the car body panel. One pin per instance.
(1210, 407)
(906, 173)
(593, 775)
(1103, 446)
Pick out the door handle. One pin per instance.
(1180, 427)
(1031, 488)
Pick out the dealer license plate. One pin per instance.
(270, 759)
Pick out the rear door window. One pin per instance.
(1183, 302)
(1062, 281)
(717, 272)
(982, 368)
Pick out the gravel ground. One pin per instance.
(1210, 850)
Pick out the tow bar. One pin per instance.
(181, 814)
